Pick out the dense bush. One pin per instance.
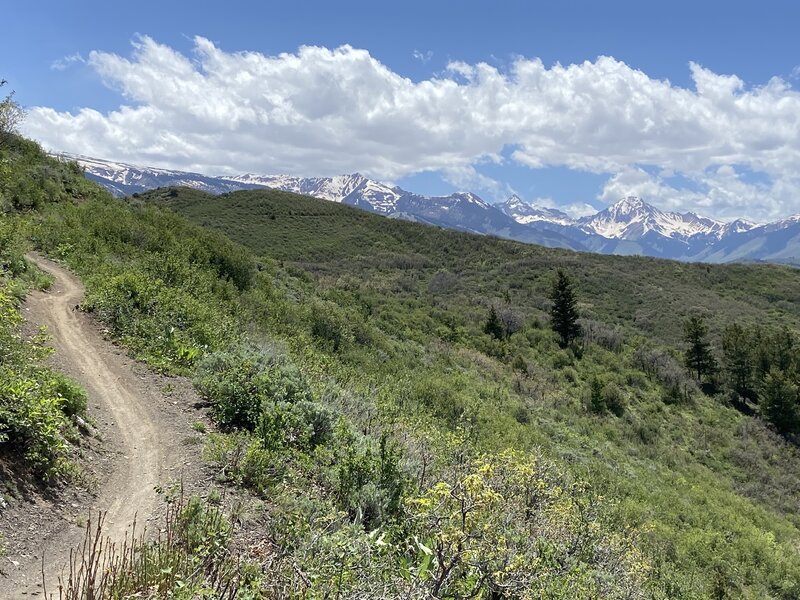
(35, 403)
(664, 368)
(245, 381)
(370, 483)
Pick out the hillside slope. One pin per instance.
(649, 296)
(398, 446)
(692, 471)
(628, 227)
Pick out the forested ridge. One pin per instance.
(397, 398)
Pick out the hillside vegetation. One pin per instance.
(39, 407)
(643, 294)
(400, 447)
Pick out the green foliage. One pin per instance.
(493, 325)
(190, 558)
(510, 528)
(677, 458)
(164, 287)
(11, 115)
(330, 327)
(303, 425)
(72, 397)
(245, 382)
(370, 482)
(28, 180)
(698, 355)
(443, 396)
(780, 402)
(692, 498)
(605, 398)
(738, 359)
(564, 312)
(337, 240)
(35, 403)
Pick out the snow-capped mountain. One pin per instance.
(352, 189)
(122, 179)
(525, 213)
(783, 223)
(630, 226)
(737, 226)
(632, 219)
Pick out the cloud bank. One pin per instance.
(320, 111)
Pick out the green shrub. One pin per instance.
(442, 396)
(35, 402)
(241, 381)
(73, 400)
(303, 425)
(330, 326)
(605, 398)
(370, 482)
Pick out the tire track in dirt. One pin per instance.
(142, 427)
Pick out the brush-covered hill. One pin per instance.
(400, 447)
(648, 296)
(697, 474)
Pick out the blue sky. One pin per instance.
(77, 66)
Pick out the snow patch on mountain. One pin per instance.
(631, 218)
(526, 213)
(737, 226)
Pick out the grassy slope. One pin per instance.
(647, 295)
(713, 486)
(175, 293)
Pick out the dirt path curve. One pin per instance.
(142, 427)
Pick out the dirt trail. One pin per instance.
(143, 429)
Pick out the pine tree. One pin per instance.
(493, 325)
(779, 403)
(564, 313)
(738, 353)
(698, 356)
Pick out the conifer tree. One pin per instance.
(738, 354)
(493, 325)
(564, 313)
(779, 404)
(698, 356)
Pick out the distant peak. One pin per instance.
(629, 203)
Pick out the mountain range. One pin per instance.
(630, 226)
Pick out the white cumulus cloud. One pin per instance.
(321, 111)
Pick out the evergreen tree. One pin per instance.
(698, 356)
(596, 401)
(564, 313)
(779, 400)
(739, 361)
(493, 325)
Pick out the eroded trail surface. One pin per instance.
(144, 428)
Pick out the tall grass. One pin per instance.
(190, 557)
